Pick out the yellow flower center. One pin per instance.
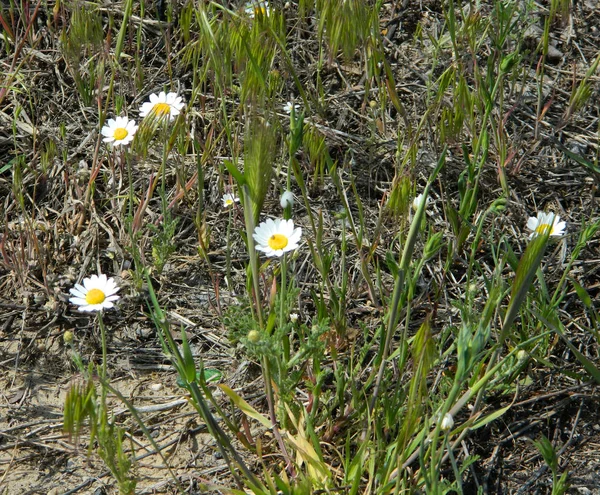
(162, 109)
(120, 133)
(228, 202)
(542, 228)
(277, 241)
(95, 296)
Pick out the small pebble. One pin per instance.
(554, 54)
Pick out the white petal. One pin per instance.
(260, 239)
(532, 223)
(295, 237)
(76, 292)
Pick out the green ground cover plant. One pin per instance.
(305, 247)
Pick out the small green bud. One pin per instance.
(253, 336)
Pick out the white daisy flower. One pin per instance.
(287, 199)
(229, 200)
(257, 7)
(96, 293)
(418, 200)
(546, 222)
(287, 108)
(293, 317)
(275, 237)
(163, 105)
(119, 131)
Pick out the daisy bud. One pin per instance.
(447, 422)
(287, 199)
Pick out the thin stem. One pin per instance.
(103, 338)
(249, 220)
(272, 415)
(282, 299)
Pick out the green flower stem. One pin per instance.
(271, 403)
(103, 338)
(394, 312)
(249, 220)
(228, 250)
(282, 299)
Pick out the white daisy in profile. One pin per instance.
(293, 317)
(119, 131)
(257, 7)
(162, 106)
(545, 222)
(287, 108)
(418, 200)
(96, 293)
(275, 237)
(229, 200)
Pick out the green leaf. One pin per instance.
(548, 452)
(246, 408)
(578, 158)
(210, 375)
(189, 365)
(271, 322)
(589, 366)
(530, 262)
(259, 147)
(582, 293)
(123, 30)
(490, 417)
(235, 173)
(392, 264)
(8, 166)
